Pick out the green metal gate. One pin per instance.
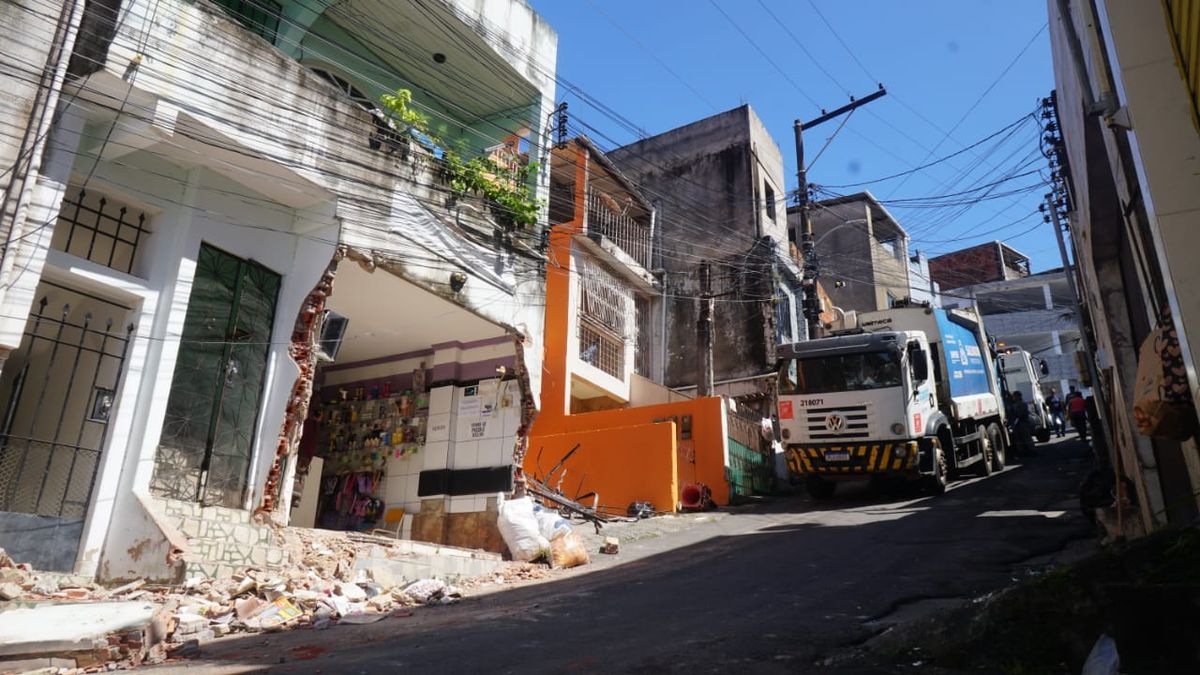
(750, 467)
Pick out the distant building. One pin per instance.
(992, 261)
(862, 252)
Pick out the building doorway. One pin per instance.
(57, 395)
(216, 392)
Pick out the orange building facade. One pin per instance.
(637, 441)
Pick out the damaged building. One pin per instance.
(239, 290)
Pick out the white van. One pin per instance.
(1016, 364)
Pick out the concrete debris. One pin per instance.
(611, 546)
(11, 591)
(330, 579)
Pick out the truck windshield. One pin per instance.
(846, 372)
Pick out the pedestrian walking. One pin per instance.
(1054, 405)
(1077, 408)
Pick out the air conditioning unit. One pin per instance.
(333, 329)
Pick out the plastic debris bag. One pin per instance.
(519, 527)
(568, 551)
(1103, 659)
(550, 524)
(423, 590)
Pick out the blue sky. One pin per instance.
(663, 63)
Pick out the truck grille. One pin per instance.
(837, 423)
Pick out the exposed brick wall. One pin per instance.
(974, 265)
(303, 351)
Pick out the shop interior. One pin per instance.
(390, 349)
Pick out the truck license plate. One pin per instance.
(837, 457)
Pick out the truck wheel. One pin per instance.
(819, 488)
(996, 440)
(1043, 434)
(988, 464)
(936, 484)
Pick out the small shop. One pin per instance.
(414, 415)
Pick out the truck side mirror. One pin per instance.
(1044, 367)
(920, 365)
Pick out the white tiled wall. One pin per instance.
(491, 452)
(438, 428)
(400, 485)
(483, 434)
(466, 455)
(481, 437)
(440, 399)
(436, 455)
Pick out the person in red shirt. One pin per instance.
(1077, 409)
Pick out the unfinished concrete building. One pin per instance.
(862, 252)
(718, 185)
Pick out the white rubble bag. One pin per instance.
(551, 525)
(519, 527)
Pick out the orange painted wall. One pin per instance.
(624, 452)
(612, 432)
(622, 465)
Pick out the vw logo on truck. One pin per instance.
(835, 422)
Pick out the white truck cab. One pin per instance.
(909, 392)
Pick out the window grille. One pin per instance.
(96, 228)
(603, 311)
(630, 235)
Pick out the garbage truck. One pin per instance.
(1019, 373)
(908, 393)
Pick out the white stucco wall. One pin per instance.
(188, 207)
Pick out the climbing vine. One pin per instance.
(507, 189)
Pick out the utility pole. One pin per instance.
(812, 304)
(1052, 216)
(704, 331)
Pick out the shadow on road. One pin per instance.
(766, 589)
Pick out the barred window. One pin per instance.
(604, 325)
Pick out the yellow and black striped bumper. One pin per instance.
(873, 458)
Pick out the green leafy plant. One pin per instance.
(399, 104)
(508, 190)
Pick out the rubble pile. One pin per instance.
(514, 573)
(321, 588)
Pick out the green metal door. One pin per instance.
(212, 412)
(750, 461)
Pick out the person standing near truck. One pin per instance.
(1054, 404)
(1077, 408)
(1021, 424)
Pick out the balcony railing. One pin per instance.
(604, 218)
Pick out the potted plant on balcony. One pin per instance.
(505, 188)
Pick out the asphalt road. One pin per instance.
(773, 588)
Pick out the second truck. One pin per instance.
(906, 393)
